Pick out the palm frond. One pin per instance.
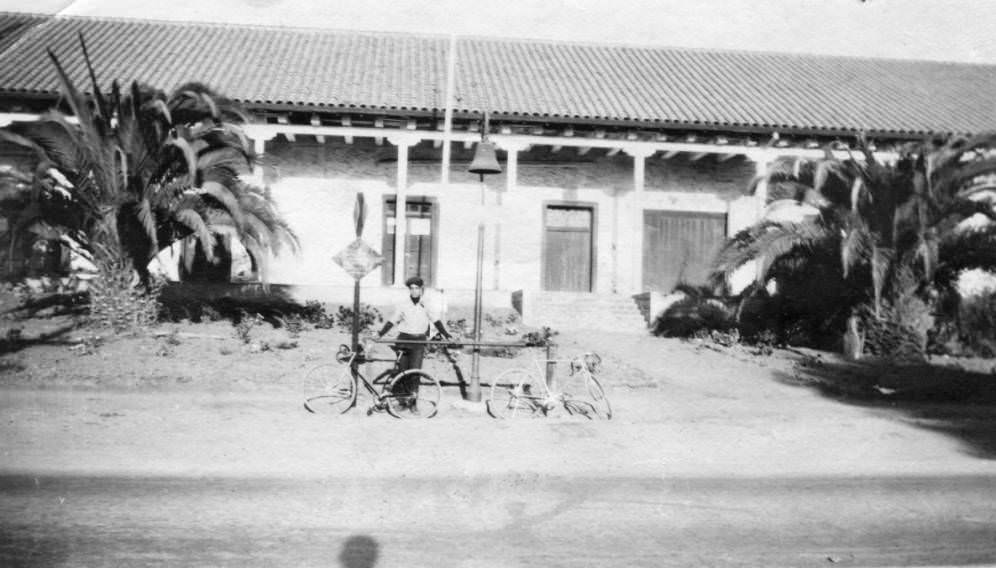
(881, 263)
(855, 244)
(148, 221)
(102, 111)
(226, 199)
(193, 221)
(188, 153)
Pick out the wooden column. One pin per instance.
(762, 161)
(639, 154)
(260, 135)
(512, 149)
(400, 225)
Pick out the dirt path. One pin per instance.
(681, 409)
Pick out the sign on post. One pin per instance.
(358, 259)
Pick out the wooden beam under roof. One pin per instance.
(315, 121)
(568, 132)
(698, 156)
(613, 151)
(347, 122)
(582, 150)
(671, 154)
(282, 119)
(725, 157)
(473, 127)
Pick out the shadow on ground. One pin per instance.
(945, 398)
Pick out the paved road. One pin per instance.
(514, 520)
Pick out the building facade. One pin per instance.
(623, 168)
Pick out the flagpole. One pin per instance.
(448, 113)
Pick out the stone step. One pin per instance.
(560, 310)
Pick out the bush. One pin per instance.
(294, 324)
(693, 315)
(370, 317)
(315, 314)
(541, 338)
(245, 325)
(972, 332)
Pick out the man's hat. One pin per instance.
(415, 281)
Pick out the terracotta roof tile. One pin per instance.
(312, 67)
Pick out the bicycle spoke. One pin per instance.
(328, 389)
(413, 394)
(515, 394)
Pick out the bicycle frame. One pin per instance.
(553, 394)
(359, 378)
(410, 393)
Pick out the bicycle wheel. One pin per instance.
(601, 402)
(517, 393)
(329, 389)
(413, 394)
(584, 396)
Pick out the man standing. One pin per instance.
(413, 319)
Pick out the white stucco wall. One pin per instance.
(315, 187)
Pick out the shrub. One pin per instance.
(314, 313)
(210, 313)
(692, 315)
(369, 317)
(294, 324)
(245, 325)
(168, 343)
(976, 329)
(11, 340)
(541, 338)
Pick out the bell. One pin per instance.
(485, 160)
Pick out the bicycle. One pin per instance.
(338, 392)
(523, 393)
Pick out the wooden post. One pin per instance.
(551, 365)
(474, 392)
(356, 314)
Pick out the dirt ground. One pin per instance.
(194, 398)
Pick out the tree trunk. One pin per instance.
(854, 339)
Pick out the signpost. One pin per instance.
(358, 259)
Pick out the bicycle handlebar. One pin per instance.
(450, 343)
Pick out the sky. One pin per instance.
(947, 30)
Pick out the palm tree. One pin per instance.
(872, 236)
(128, 173)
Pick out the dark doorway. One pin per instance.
(567, 248)
(679, 246)
(420, 229)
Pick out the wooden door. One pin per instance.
(419, 252)
(567, 248)
(679, 247)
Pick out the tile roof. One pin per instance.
(517, 78)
